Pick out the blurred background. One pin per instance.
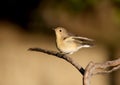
(29, 23)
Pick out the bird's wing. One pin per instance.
(83, 40)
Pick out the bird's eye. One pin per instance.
(60, 30)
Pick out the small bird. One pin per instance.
(68, 43)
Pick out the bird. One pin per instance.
(68, 43)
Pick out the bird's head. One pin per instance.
(61, 32)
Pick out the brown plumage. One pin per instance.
(68, 43)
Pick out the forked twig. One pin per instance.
(100, 68)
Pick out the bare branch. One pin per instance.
(60, 55)
(100, 68)
(90, 70)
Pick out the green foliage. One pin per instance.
(116, 3)
(75, 5)
(117, 9)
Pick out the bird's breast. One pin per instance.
(66, 46)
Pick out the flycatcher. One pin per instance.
(68, 43)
